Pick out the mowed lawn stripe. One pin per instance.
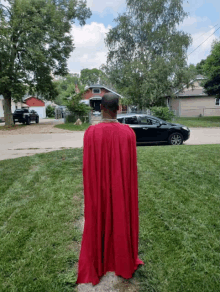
(179, 205)
(179, 194)
(39, 241)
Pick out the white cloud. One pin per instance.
(188, 21)
(192, 21)
(90, 51)
(204, 39)
(200, 28)
(100, 5)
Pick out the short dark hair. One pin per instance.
(110, 101)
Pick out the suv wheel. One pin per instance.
(175, 139)
(28, 121)
(37, 120)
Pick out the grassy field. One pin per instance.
(196, 122)
(179, 195)
(72, 127)
(205, 122)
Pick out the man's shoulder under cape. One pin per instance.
(118, 130)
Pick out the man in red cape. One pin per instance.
(110, 237)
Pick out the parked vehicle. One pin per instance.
(150, 129)
(25, 116)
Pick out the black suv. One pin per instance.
(152, 129)
(25, 116)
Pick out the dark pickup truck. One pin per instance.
(25, 116)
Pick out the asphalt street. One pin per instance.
(13, 146)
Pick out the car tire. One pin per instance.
(28, 121)
(175, 139)
(37, 120)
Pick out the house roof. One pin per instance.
(200, 77)
(192, 92)
(102, 86)
(32, 97)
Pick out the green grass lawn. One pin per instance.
(179, 218)
(196, 122)
(72, 127)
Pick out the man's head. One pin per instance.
(110, 104)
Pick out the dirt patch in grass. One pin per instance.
(44, 127)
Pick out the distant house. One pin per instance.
(93, 96)
(14, 106)
(194, 102)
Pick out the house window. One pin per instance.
(96, 90)
(217, 101)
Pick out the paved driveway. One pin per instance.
(44, 138)
(199, 136)
(37, 138)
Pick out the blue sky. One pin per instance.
(91, 52)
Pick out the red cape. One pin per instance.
(110, 237)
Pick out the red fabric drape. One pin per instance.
(110, 236)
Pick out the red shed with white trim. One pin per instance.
(36, 104)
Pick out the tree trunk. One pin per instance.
(7, 112)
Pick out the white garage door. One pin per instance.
(40, 110)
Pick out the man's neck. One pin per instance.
(108, 116)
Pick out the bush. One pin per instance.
(163, 113)
(50, 111)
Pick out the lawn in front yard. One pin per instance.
(179, 226)
(72, 127)
(198, 122)
(194, 122)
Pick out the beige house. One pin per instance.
(194, 102)
(14, 106)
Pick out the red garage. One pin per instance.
(36, 104)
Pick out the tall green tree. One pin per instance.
(211, 69)
(199, 67)
(35, 41)
(147, 54)
(93, 76)
(66, 88)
